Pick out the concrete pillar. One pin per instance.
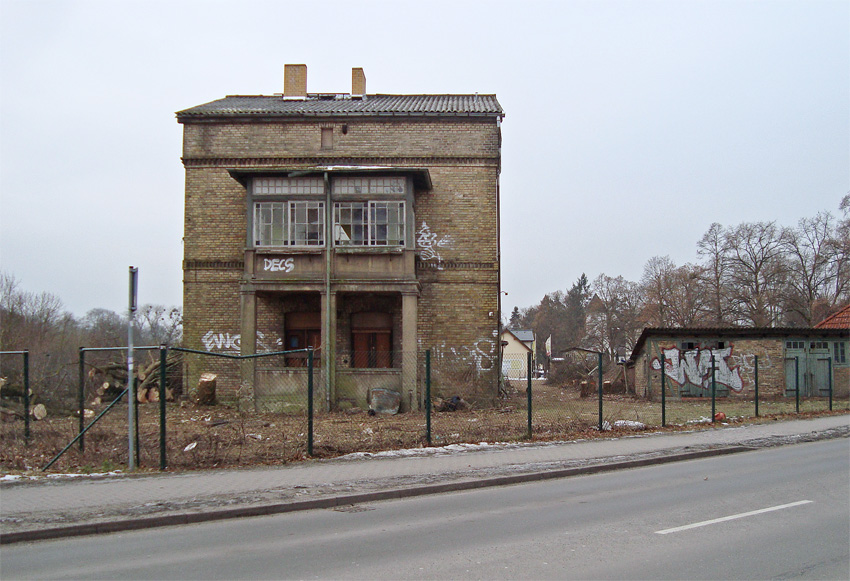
(409, 349)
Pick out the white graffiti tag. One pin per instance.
(482, 354)
(694, 367)
(227, 342)
(429, 243)
(279, 264)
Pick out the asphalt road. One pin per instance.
(774, 513)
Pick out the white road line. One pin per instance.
(731, 517)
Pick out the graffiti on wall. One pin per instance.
(279, 264)
(694, 366)
(430, 243)
(481, 354)
(233, 342)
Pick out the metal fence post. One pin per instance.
(756, 364)
(428, 396)
(797, 381)
(163, 358)
(663, 393)
(82, 398)
(829, 359)
(713, 391)
(27, 397)
(600, 391)
(310, 402)
(528, 391)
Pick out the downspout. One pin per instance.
(500, 355)
(329, 352)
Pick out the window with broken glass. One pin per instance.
(373, 223)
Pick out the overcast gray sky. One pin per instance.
(630, 126)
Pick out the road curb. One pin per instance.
(348, 499)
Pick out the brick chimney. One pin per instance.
(358, 82)
(295, 81)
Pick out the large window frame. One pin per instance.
(290, 224)
(370, 223)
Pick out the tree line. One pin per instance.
(39, 323)
(754, 274)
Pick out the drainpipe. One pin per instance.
(329, 352)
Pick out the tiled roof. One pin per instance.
(840, 320)
(524, 335)
(344, 105)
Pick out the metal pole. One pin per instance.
(428, 396)
(82, 397)
(663, 392)
(713, 391)
(163, 358)
(600, 392)
(27, 397)
(756, 363)
(797, 381)
(131, 395)
(310, 402)
(528, 392)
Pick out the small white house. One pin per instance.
(516, 345)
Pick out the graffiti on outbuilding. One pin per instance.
(694, 366)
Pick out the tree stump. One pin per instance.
(206, 389)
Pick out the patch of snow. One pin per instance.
(630, 425)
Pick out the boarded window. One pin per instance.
(327, 137)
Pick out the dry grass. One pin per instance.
(222, 436)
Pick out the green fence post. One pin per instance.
(528, 392)
(82, 398)
(136, 417)
(600, 392)
(713, 391)
(27, 398)
(797, 381)
(310, 402)
(428, 396)
(663, 393)
(829, 359)
(163, 358)
(756, 363)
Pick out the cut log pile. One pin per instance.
(12, 402)
(112, 380)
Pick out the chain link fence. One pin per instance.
(215, 410)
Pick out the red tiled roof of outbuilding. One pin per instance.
(840, 320)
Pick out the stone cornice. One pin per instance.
(289, 162)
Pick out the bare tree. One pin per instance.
(756, 272)
(657, 285)
(712, 249)
(615, 318)
(813, 256)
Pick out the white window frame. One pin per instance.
(374, 229)
(292, 218)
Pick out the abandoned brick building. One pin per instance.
(363, 225)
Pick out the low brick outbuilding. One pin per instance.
(785, 357)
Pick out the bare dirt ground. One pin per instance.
(204, 437)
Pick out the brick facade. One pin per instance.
(440, 290)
